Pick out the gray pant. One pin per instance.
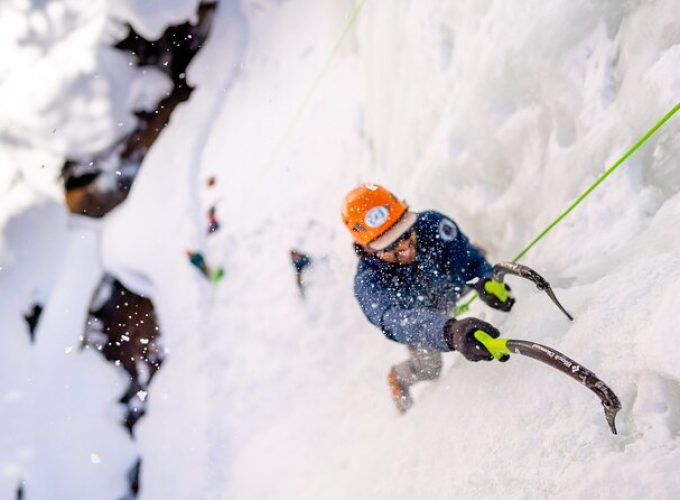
(422, 364)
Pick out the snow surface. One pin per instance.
(498, 114)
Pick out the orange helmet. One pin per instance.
(375, 217)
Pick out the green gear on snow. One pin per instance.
(497, 347)
(465, 307)
(461, 309)
(497, 289)
(217, 275)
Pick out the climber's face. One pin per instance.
(402, 251)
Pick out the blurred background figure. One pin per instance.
(213, 224)
(300, 262)
(198, 261)
(32, 317)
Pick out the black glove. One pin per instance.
(460, 335)
(495, 294)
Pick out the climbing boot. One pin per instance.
(400, 395)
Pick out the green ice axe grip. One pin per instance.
(493, 287)
(497, 289)
(497, 347)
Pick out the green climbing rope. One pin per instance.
(466, 306)
(315, 83)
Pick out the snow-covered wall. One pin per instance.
(497, 114)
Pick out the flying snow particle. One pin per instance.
(94, 458)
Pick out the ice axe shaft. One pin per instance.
(503, 268)
(501, 348)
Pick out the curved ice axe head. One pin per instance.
(503, 268)
(501, 348)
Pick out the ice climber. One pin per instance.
(198, 261)
(300, 262)
(213, 223)
(412, 268)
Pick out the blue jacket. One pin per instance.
(412, 303)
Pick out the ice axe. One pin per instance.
(501, 349)
(503, 268)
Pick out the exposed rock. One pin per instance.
(94, 186)
(123, 327)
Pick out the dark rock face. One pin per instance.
(123, 327)
(94, 186)
(172, 54)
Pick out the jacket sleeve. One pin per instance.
(467, 258)
(413, 326)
